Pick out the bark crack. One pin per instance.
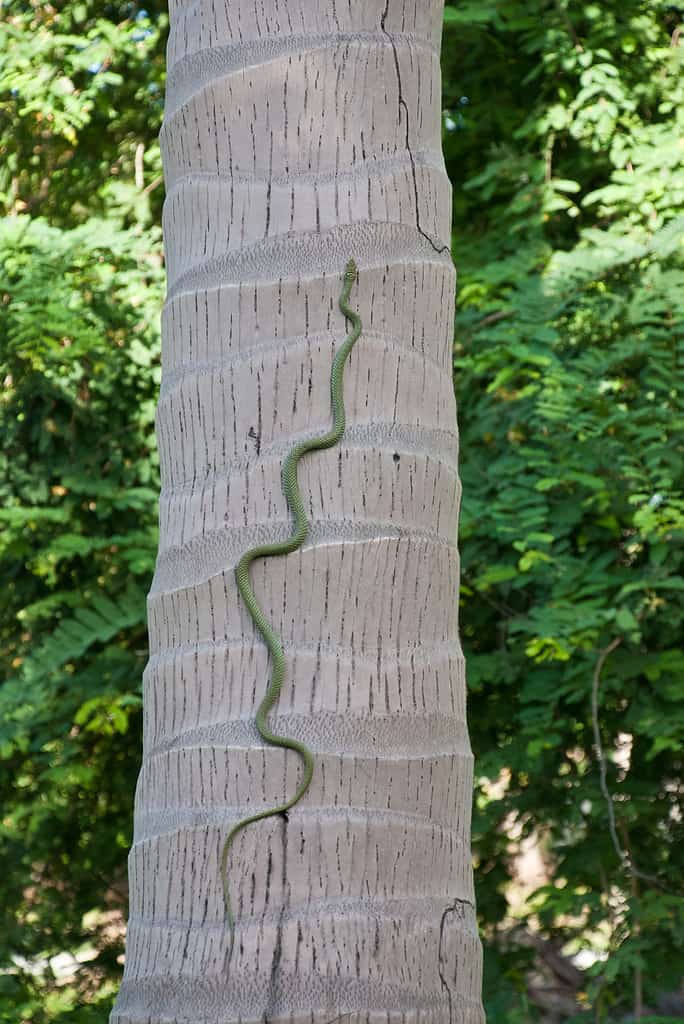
(402, 104)
(449, 909)
(274, 979)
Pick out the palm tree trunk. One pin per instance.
(297, 135)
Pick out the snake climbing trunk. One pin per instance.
(298, 135)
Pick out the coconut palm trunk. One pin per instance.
(299, 134)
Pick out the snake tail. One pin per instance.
(300, 529)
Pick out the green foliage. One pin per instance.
(81, 102)
(78, 481)
(80, 291)
(562, 130)
(569, 370)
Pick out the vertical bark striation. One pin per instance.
(299, 134)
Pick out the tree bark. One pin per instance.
(297, 135)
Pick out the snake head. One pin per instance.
(350, 272)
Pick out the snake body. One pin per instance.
(299, 533)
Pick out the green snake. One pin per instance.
(296, 508)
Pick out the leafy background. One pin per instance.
(564, 140)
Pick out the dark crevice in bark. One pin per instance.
(402, 104)
(274, 981)
(449, 909)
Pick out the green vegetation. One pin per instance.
(564, 139)
(567, 165)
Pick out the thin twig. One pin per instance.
(638, 975)
(569, 26)
(492, 318)
(548, 157)
(625, 857)
(152, 185)
(598, 747)
(139, 165)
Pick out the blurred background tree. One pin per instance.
(564, 139)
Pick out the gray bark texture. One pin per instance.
(299, 134)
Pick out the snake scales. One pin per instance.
(295, 505)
